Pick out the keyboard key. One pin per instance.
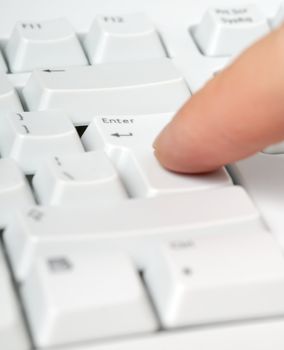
(128, 142)
(133, 225)
(260, 335)
(83, 179)
(14, 191)
(217, 278)
(85, 297)
(262, 176)
(226, 31)
(145, 177)
(9, 99)
(124, 132)
(123, 38)
(277, 148)
(30, 137)
(279, 17)
(151, 87)
(3, 66)
(43, 44)
(12, 332)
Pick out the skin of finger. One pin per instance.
(236, 114)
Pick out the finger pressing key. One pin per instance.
(236, 114)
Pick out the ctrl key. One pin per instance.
(81, 297)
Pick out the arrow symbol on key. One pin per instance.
(53, 70)
(121, 135)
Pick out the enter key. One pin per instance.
(128, 142)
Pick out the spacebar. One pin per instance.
(132, 225)
(252, 336)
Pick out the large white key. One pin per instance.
(150, 87)
(83, 297)
(277, 148)
(218, 278)
(133, 225)
(123, 38)
(226, 31)
(83, 179)
(144, 176)
(14, 191)
(3, 65)
(261, 335)
(30, 137)
(43, 44)
(9, 99)
(13, 336)
(262, 176)
(128, 142)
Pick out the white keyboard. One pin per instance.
(101, 248)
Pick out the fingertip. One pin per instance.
(235, 115)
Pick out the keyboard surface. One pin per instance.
(101, 248)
